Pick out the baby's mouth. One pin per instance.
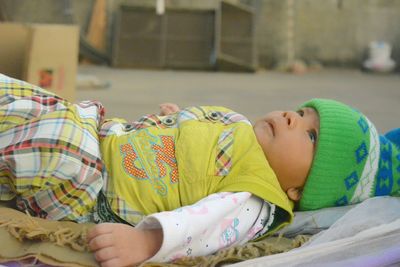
(271, 126)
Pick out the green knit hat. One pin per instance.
(352, 162)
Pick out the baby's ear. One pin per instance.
(294, 194)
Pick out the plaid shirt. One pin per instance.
(49, 152)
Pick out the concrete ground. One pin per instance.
(133, 93)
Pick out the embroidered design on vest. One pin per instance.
(159, 152)
(130, 157)
(165, 154)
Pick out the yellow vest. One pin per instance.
(172, 161)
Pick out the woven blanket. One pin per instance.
(64, 244)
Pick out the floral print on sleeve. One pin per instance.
(215, 222)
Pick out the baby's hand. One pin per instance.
(168, 108)
(116, 244)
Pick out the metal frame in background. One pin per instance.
(210, 39)
(235, 38)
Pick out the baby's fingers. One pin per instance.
(105, 254)
(101, 241)
(100, 236)
(168, 108)
(103, 228)
(111, 263)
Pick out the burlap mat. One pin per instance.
(251, 250)
(62, 244)
(51, 242)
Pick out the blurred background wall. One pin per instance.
(330, 32)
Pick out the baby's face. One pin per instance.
(289, 140)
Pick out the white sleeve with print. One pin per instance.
(215, 222)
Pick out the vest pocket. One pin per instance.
(223, 159)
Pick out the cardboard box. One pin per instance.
(42, 54)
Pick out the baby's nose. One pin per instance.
(290, 117)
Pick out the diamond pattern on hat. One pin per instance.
(342, 201)
(351, 180)
(363, 124)
(361, 152)
(353, 162)
(364, 188)
(385, 181)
